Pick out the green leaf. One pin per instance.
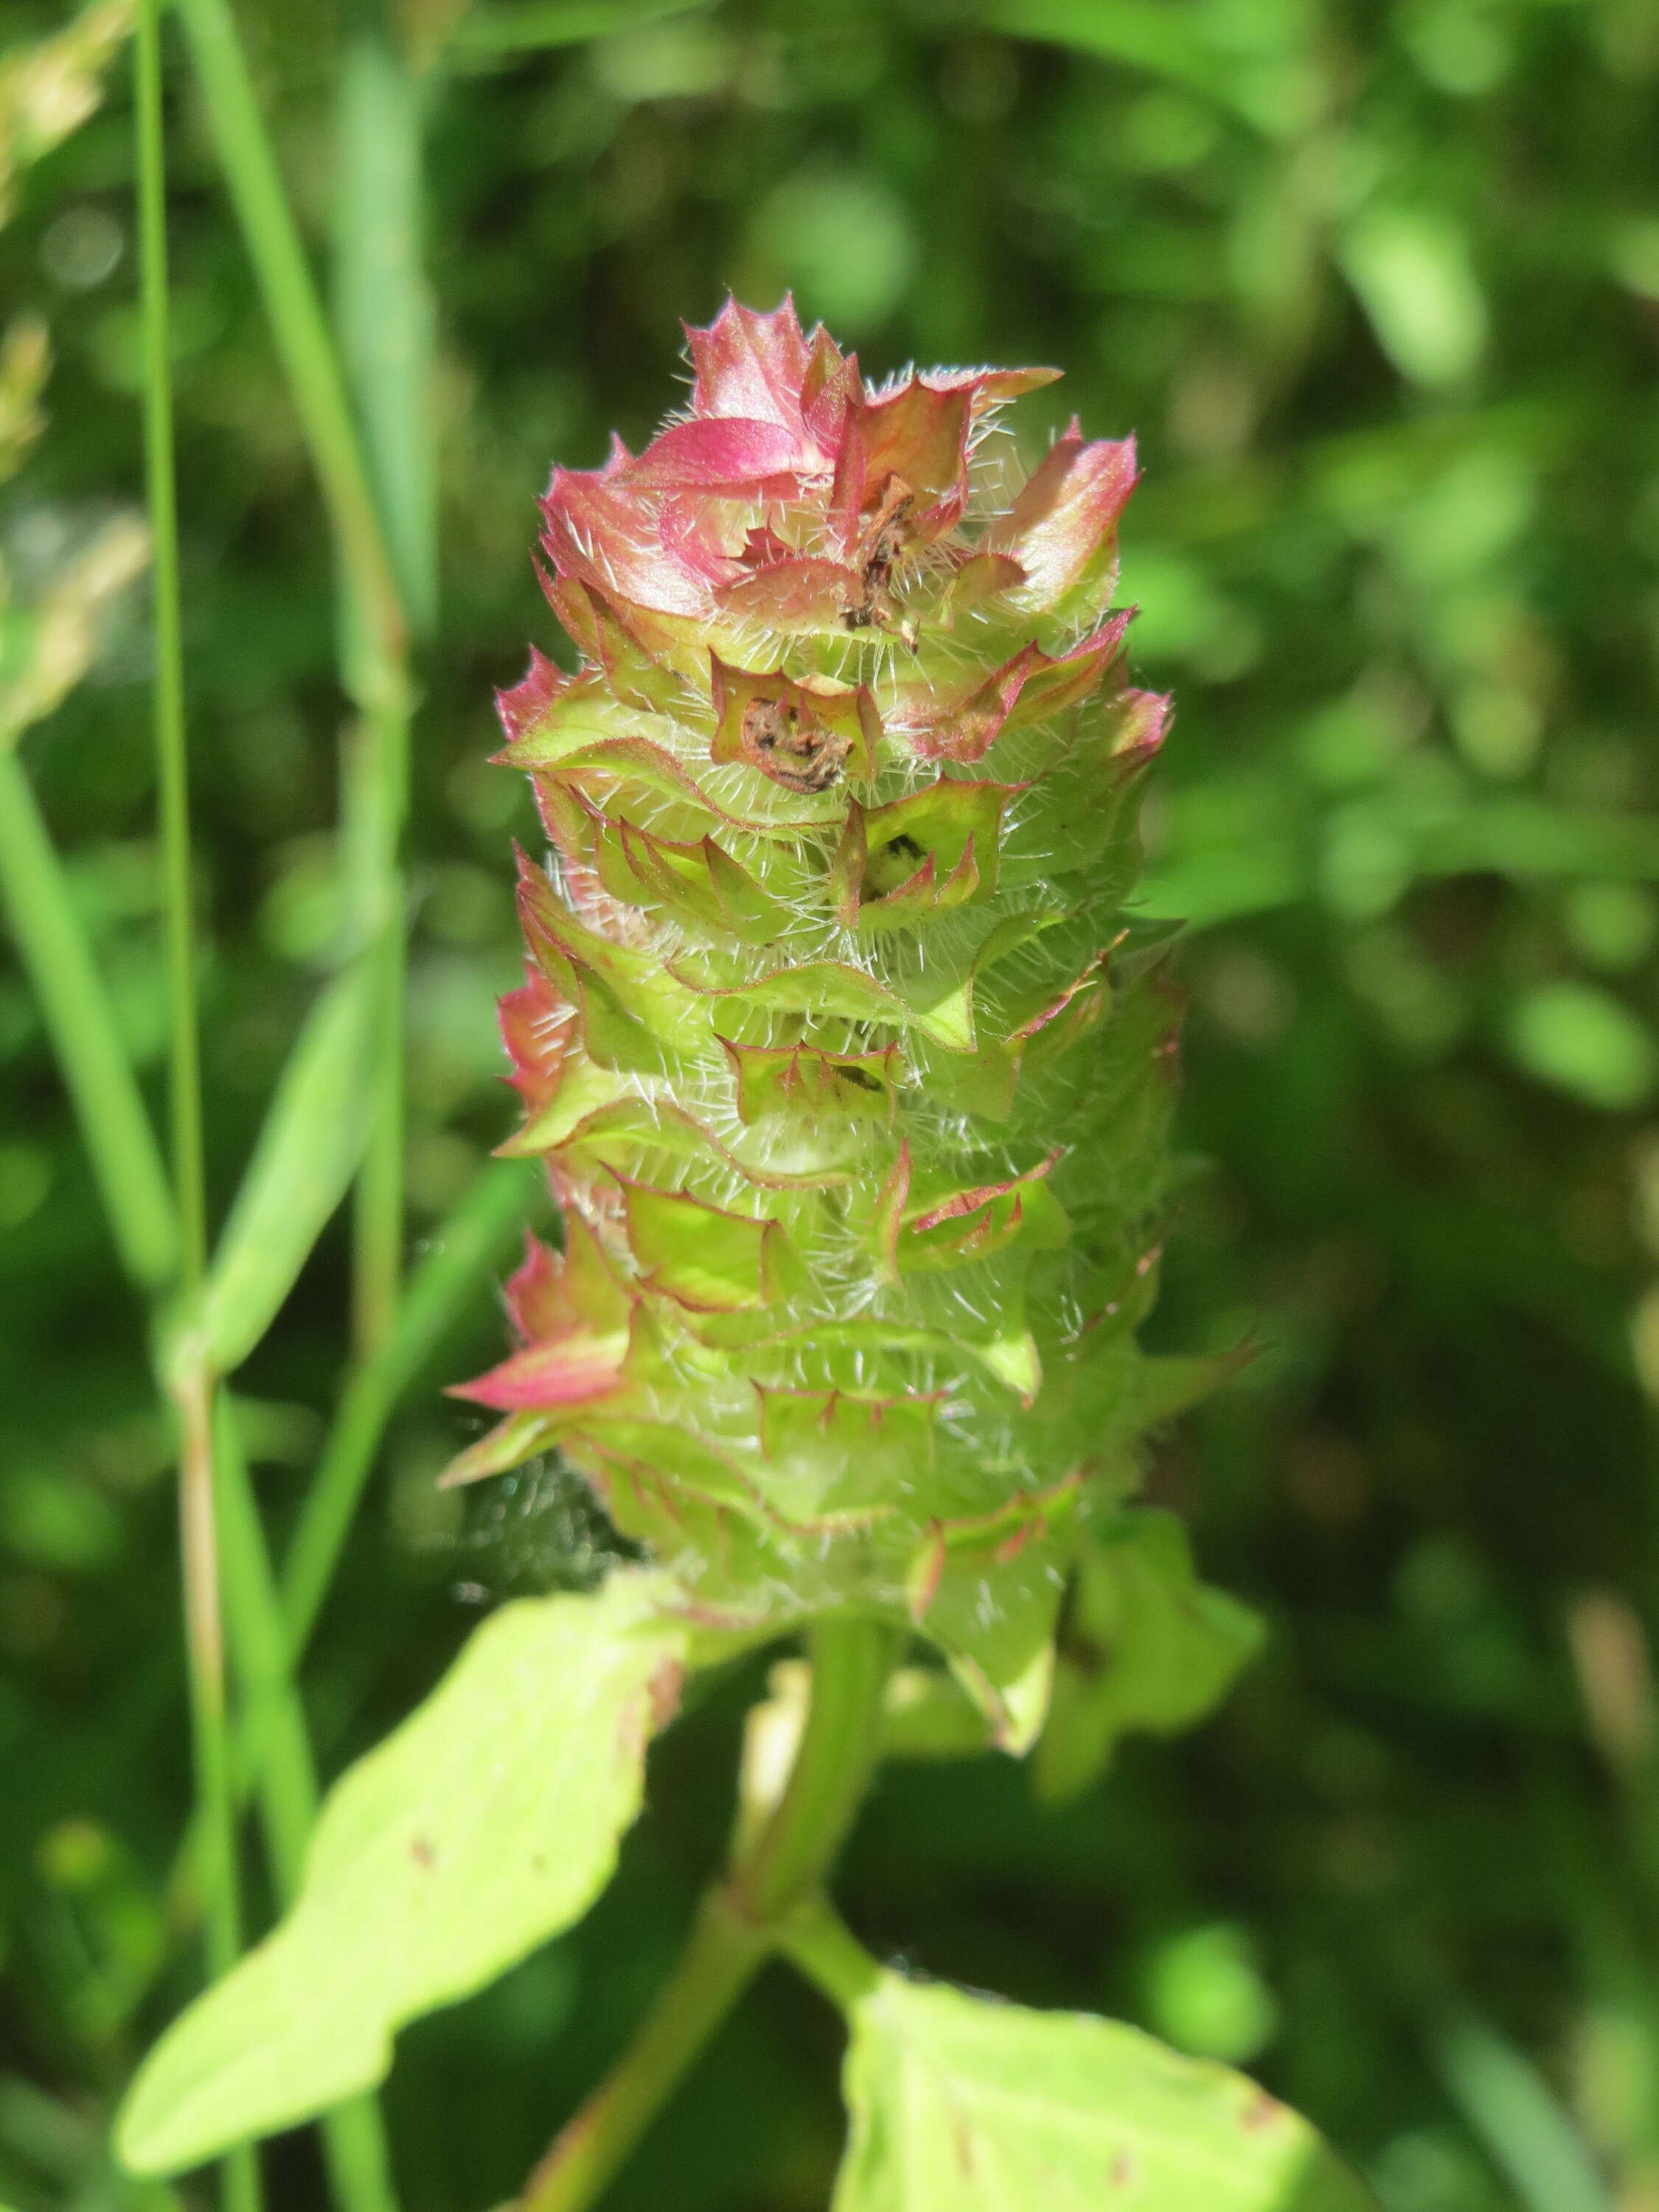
(961, 2105)
(1147, 1646)
(532, 25)
(308, 1149)
(1587, 1042)
(927, 1714)
(486, 1823)
(1415, 279)
(49, 88)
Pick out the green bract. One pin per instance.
(849, 1065)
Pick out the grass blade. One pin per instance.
(383, 305)
(457, 1260)
(533, 26)
(301, 331)
(172, 759)
(306, 1153)
(126, 1161)
(1513, 2113)
(384, 322)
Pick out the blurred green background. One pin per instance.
(1378, 288)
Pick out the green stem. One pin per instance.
(743, 1921)
(374, 627)
(718, 1963)
(114, 1127)
(382, 301)
(383, 318)
(377, 677)
(819, 1941)
(171, 761)
(354, 2138)
(373, 785)
(198, 1516)
(838, 1747)
(462, 1253)
(198, 1500)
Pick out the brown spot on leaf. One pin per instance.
(963, 2135)
(1124, 2170)
(1260, 2112)
(422, 1852)
(664, 1690)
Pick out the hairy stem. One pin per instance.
(743, 1920)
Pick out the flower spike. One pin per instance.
(850, 1071)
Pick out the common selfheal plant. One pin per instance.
(852, 1070)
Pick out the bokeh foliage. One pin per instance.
(1378, 288)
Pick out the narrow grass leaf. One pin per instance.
(487, 1822)
(1511, 2108)
(115, 1128)
(307, 1152)
(458, 1258)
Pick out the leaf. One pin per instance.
(49, 88)
(1412, 271)
(308, 1149)
(961, 2105)
(532, 25)
(25, 360)
(1147, 1646)
(60, 633)
(927, 1714)
(486, 1823)
(1583, 1039)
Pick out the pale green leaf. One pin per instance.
(49, 87)
(1587, 1042)
(529, 25)
(962, 2104)
(487, 1822)
(307, 1154)
(1412, 270)
(1146, 1646)
(57, 635)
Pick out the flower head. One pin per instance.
(849, 1069)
